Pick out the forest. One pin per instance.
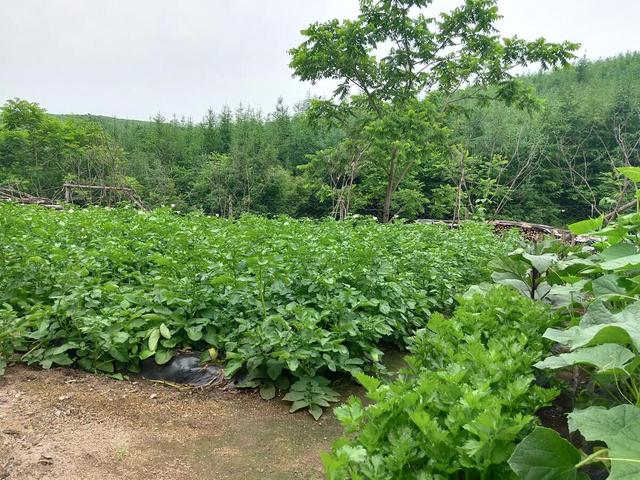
(552, 162)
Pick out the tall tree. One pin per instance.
(424, 65)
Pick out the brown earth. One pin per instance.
(68, 424)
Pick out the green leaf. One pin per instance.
(606, 358)
(121, 355)
(105, 367)
(619, 428)
(153, 339)
(164, 331)
(3, 366)
(429, 426)
(293, 364)
(232, 367)
(371, 384)
(211, 337)
(617, 251)
(356, 454)
(274, 368)
(505, 278)
(586, 226)
(282, 382)
(315, 411)
(545, 455)
(163, 356)
(632, 173)
(194, 333)
(541, 262)
(267, 391)
(61, 359)
(350, 414)
(599, 326)
(145, 354)
(120, 337)
(622, 263)
(297, 405)
(607, 285)
(294, 396)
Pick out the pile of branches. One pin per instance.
(105, 194)
(101, 194)
(14, 194)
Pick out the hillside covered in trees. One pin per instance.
(552, 162)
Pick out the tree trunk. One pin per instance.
(388, 195)
(386, 209)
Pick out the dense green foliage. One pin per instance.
(412, 129)
(400, 69)
(553, 165)
(469, 394)
(557, 165)
(459, 408)
(281, 300)
(596, 292)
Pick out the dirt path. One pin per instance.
(67, 424)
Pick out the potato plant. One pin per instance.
(282, 302)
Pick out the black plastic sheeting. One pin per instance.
(184, 369)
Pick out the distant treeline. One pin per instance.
(555, 164)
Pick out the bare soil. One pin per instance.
(68, 424)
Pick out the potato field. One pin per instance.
(286, 305)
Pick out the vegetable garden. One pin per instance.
(497, 329)
(476, 380)
(286, 304)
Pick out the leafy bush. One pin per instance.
(282, 300)
(466, 398)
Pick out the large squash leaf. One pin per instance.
(619, 428)
(622, 263)
(599, 326)
(632, 173)
(609, 357)
(586, 226)
(545, 455)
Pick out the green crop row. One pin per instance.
(458, 410)
(284, 302)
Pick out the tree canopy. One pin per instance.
(403, 70)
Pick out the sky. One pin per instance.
(136, 58)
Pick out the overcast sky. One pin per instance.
(135, 58)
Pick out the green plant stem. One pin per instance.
(24, 355)
(634, 388)
(595, 457)
(591, 458)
